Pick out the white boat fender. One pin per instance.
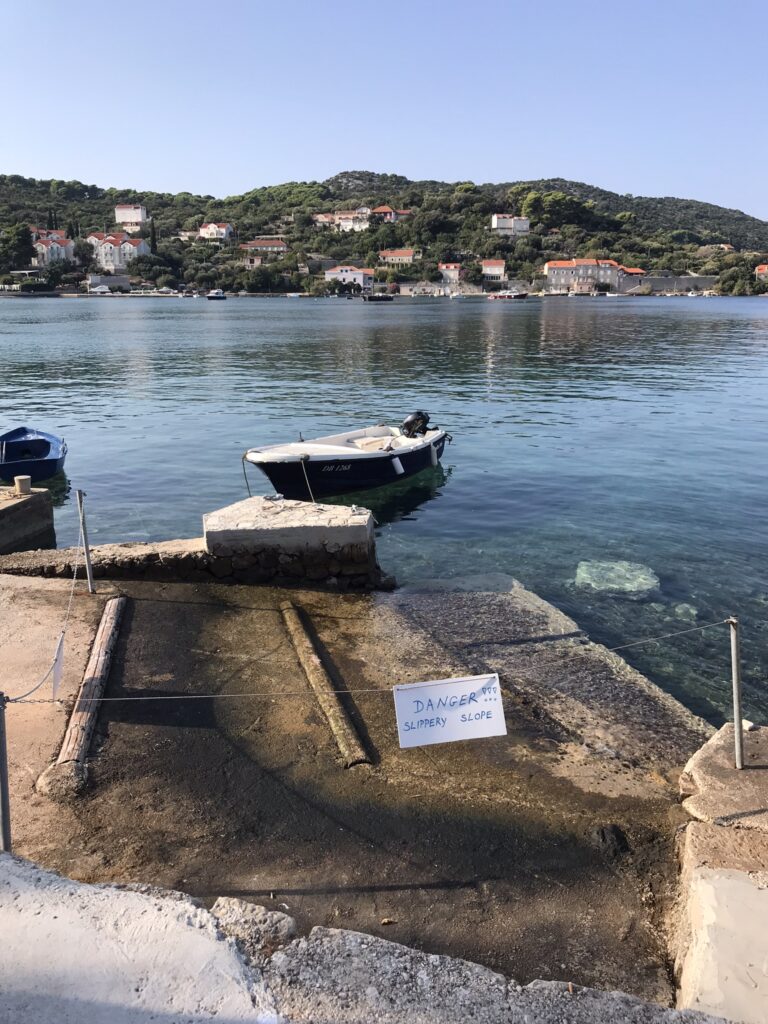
(433, 454)
(398, 466)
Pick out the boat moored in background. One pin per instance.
(507, 295)
(215, 294)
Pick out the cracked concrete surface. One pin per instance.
(82, 954)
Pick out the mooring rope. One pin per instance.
(311, 495)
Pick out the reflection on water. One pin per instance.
(400, 500)
(632, 430)
(59, 486)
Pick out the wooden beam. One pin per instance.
(77, 739)
(350, 746)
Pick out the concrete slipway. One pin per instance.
(547, 854)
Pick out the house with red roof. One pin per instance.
(52, 250)
(585, 275)
(219, 233)
(115, 250)
(761, 272)
(55, 233)
(399, 257)
(493, 270)
(275, 246)
(390, 215)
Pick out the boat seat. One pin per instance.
(371, 444)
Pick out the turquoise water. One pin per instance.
(610, 429)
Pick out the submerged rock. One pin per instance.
(686, 612)
(617, 579)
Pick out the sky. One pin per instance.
(652, 98)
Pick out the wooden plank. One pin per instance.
(77, 738)
(342, 727)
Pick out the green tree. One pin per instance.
(84, 253)
(533, 206)
(152, 237)
(16, 248)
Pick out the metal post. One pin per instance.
(5, 800)
(88, 566)
(738, 728)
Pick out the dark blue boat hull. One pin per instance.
(333, 476)
(35, 469)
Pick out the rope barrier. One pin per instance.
(665, 636)
(23, 698)
(298, 693)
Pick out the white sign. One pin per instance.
(449, 709)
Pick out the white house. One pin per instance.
(120, 282)
(51, 250)
(130, 216)
(451, 272)
(220, 233)
(493, 270)
(344, 220)
(351, 275)
(116, 250)
(509, 225)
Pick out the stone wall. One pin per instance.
(26, 521)
(683, 283)
(259, 540)
(187, 560)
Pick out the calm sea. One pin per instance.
(584, 430)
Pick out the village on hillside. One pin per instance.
(127, 257)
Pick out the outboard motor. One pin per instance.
(416, 423)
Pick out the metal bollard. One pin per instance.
(22, 485)
(86, 549)
(5, 800)
(738, 727)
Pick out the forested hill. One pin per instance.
(25, 200)
(447, 221)
(667, 213)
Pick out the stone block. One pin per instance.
(258, 524)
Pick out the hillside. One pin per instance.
(669, 214)
(449, 221)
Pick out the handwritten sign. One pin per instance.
(446, 710)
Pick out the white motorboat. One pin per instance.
(356, 460)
